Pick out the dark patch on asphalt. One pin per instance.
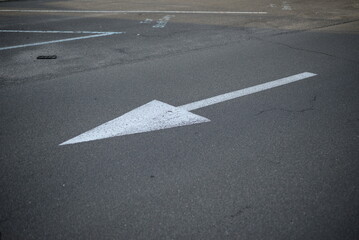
(240, 211)
(122, 50)
(47, 57)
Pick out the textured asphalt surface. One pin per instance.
(279, 164)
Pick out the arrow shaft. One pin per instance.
(246, 91)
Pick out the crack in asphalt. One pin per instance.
(246, 36)
(314, 28)
(307, 50)
(310, 108)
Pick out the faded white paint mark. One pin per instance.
(152, 116)
(286, 6)
(125, 12)
(98, 34)
(157, 115)
(146, 21)
(272, 5)
(161, 23)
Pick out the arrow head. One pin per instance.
(152, 116)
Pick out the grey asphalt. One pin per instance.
(279, 164)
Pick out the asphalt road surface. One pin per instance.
(282, 163)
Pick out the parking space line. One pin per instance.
(60, 40)
(73, 32)
(120, 11)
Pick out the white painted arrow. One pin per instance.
(157, 115)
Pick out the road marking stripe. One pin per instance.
(157, 115)
(134, 11)
(152, 116)
(73, 32)
(246, 91)
(56, 41)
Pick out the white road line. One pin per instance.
(73, 32)
(286, 6)
(56, 41)
(246, 91)
(119, 11)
